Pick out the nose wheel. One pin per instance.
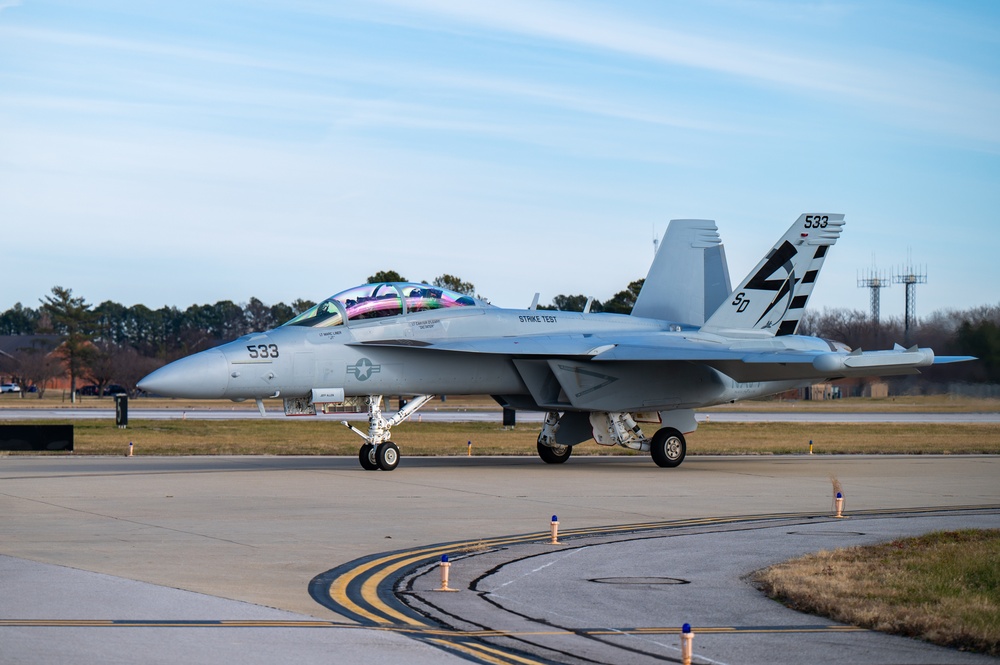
(387, 456)
(367, 457)
(384, 456)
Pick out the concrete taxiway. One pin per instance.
(172, 551)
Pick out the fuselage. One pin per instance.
(399, 355)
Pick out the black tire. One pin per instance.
(554, 454)
(668, 448)
(387, 456)
(367, 457)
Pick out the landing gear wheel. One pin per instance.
(554, 454)
(668, 447)
(387, 456)
(367, 457)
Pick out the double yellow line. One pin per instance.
(368, 606)
(373, 574)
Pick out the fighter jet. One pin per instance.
(623, 380)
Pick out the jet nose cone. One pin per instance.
(204, 375)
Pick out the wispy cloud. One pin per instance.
(931, 94)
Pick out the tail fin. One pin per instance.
(774, 294)
(689, 277)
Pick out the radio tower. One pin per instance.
(910, 277)
(875, 281)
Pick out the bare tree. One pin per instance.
(38, 367)
(100, 369)
(130, 368)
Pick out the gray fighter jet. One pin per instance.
(623, 380)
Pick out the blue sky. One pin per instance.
(174, 153)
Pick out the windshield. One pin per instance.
(371, 301)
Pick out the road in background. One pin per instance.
(496, 416)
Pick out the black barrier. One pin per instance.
(36, 437)
(121, 411)
(509, 416)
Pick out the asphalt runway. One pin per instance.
(431, 415)
(267, 559)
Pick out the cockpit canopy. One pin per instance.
(371, 301)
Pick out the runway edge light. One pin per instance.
(687, 646)
(445, 565)
(555, 531)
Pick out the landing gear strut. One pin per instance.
(378, 452)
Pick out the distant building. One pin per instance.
(12, 347)
(873, 388)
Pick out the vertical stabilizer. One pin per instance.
(689, 278)
(774, 294)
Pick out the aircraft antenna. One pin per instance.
(910, 276)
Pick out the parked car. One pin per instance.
(10, 388)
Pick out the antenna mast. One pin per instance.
(874, 280)
(910, 277)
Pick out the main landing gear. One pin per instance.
(667, 447)
(550, 451)
(378, 452)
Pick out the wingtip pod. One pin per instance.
(836, 363)
(944, 360)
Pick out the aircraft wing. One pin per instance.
(747, 365)
(535, 345)
(739, 360)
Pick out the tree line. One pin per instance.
(113, 344)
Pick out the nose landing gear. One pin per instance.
(378, 452)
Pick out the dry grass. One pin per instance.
(290, 436)
(900, 404)
(943, 587)
(903, 404)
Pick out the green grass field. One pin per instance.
(311, 437)
(290, 436)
